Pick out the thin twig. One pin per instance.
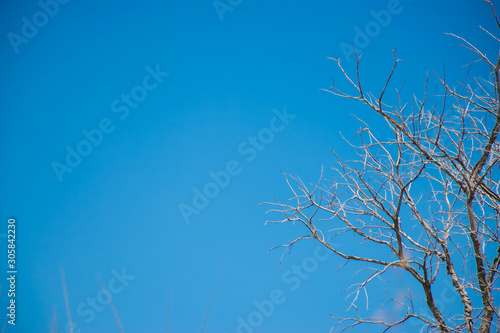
(66, 300)
(212, 299)
(110, 302)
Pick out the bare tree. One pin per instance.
(427, 196)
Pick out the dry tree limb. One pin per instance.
(447, 143)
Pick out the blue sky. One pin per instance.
(230, 74)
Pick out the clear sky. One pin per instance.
(115, 115)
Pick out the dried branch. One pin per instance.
(447, 144)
